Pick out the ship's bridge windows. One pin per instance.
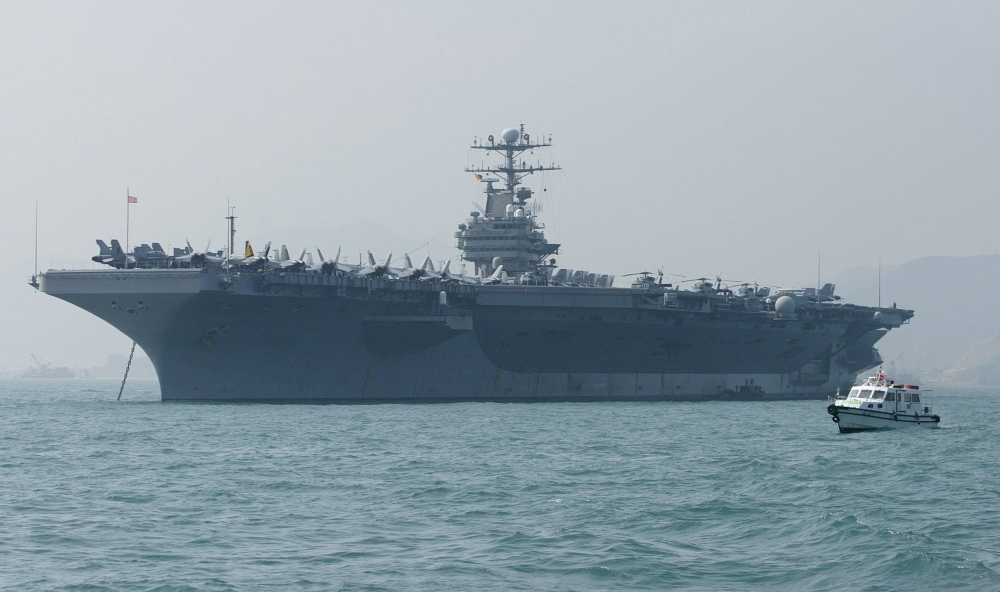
(854, 392)
(890, 397)
(878, 395)
(865, 394)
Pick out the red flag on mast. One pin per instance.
(133, 199)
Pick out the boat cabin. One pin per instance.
(881, 395)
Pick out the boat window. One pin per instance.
(916, 398)
(878, 395)
(890, 397)
(907, 397)
(865, 394)
(854, 392)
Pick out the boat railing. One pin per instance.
(926, 397)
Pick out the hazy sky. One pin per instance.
(736, 138)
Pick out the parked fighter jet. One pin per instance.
(448, 276)
(331, 266)
(286, 263)
(188, 257)
(250, 259)
(497, 277)
(375, 270)
(424, 272)
(146, 256)
(113, 255)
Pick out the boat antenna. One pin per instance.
(880, 283)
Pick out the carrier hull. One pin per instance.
(272, 337)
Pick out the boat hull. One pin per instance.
(316, 339)
(850, 420)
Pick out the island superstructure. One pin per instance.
(266, 327)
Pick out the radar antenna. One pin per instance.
(513, 143)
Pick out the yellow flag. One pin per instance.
(249, 250)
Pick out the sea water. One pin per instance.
(143, 495)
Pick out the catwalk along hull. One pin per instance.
(338, 339)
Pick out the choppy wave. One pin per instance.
(99, 495)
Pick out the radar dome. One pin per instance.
(878, 316)
(510, 135)
(784, 305)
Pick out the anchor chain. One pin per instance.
(127, 366)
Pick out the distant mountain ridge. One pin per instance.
(954, 335)
(979, 365)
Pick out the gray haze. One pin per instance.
(708, 138)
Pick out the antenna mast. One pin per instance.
(128, 202)
(512, 144)
(34, 276)
(232, 229)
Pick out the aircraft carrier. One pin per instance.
(516, 328)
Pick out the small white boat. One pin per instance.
(880, 404)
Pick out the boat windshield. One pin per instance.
(865, 393)
(854, 392)
(878, 395)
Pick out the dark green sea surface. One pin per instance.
(143, 495)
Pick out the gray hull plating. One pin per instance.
(316, 338)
